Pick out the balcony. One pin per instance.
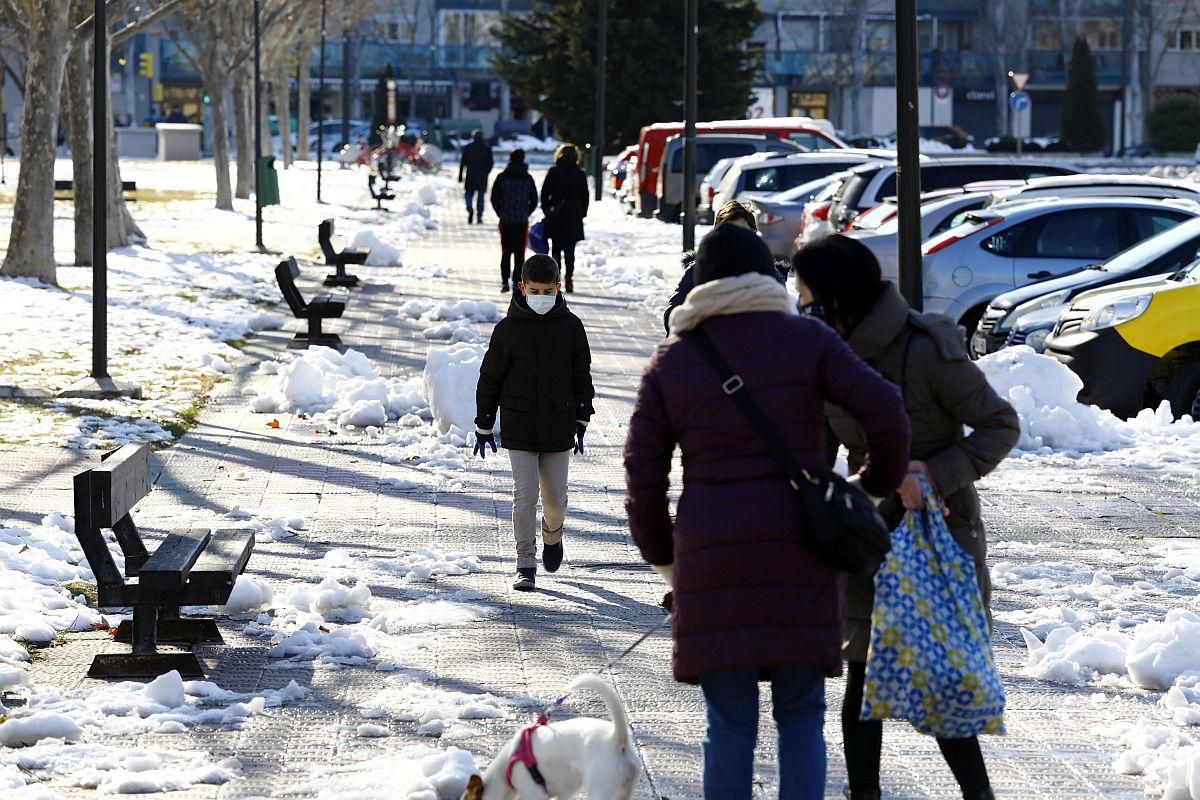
(960, 69)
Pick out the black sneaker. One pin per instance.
(470, 217)
(552, 556)
(526, 580)
(479, 219)
(504, 287)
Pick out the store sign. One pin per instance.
(980, 95)
(763, 104)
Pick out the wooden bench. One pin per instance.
(379, 195)
(127, 187)
(324, 306)
(339, 258)
(189, 568)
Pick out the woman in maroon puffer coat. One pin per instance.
(751, 601)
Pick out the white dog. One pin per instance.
(585, 754)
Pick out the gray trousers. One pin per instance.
(531, 471)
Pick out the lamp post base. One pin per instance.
(101, 388)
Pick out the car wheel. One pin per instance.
(1183, 390)
(970, 321)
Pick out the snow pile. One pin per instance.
(333, 601)
(426, 563)
(383, 254)
(451, 374)
(414, 773)
(438, 712)
(249, 595)
(35, 562)
(433, 611)
(427, 194)
(342, 387)
(473, 310)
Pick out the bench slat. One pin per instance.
(119, 483)
(223, 560)
(168, 567)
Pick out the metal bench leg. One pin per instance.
(145, 661)
(315, 336)
(340, 278)
(171, 628)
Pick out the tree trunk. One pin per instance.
(220, 139)
(304, 101)
(283, 110)
(122, 227)
(31, 238)
(242, 103)
(76, 111)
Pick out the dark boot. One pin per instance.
(986, 794)
(526, 579)
(863, 794)
(570, 284)
(504, 287)
(470, 216)
(552, 554)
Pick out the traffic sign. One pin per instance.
(1019, 101)
(1019, 79)
(942, 91)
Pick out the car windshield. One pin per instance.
(809, 190)
(1146, 251)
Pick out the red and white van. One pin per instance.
(812, 134)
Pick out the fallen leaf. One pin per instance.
(24, 547)
(273, 423)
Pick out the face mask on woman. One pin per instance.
(815, 309)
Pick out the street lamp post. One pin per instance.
(601, 89)
(257, 133)
(345, 80)
(689, 127)
(321, 105)
(908, 184)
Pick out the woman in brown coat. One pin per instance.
(924, 355)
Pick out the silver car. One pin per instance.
(998, 249)
(765, 174)
(710, 148)
(780, 216)
(708, 188)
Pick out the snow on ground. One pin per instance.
(177, 302)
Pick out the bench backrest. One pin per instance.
(104, 496)
(325, 237)
(285, 275)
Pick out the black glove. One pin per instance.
(482, 440)
(580, 430)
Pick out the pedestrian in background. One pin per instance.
(538, 372)
(474, 168)
(565, 204)
(751, 601)
(924, 355)
(514, 198)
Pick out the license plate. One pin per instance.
(979, 344)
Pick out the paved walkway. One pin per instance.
(596, 606)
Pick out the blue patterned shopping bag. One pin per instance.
(930, 660)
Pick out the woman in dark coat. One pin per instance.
(751, 601)
(839, 280)
(565, 203)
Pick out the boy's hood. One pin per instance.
(518, 307)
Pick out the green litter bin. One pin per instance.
(268, 182)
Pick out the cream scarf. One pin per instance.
(737, 295)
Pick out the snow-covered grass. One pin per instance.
(177, 302)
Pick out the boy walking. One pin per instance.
(537, 371)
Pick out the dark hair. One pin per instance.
(728, 251)
(568, 153)
(517, 156)
(844, 277)
(539, 268)
(733, 210)
(477, 135)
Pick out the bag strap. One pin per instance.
(733, 385)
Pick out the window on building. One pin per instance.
(800, 34)
(469, 28)
(1184, 39)
(1046, 35)
(1102, 34)
(839, 34)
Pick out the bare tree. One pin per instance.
(1006, 26)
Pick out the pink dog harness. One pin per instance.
(524, 755)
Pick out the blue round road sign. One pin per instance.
(1019, 101)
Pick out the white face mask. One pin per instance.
(541, 303)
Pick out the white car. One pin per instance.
(708, 187)
(764, 174)
(1092, 185)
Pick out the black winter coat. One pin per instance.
(477, 163)
(565, 202)
(538, 371)
(514, 195)
(688, 282)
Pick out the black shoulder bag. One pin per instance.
(844, 527)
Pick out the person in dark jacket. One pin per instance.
(565, 204)
(751, 601)
(537, 370)
(514, 198)
(839, 279)
(476, 165)
(732, 212)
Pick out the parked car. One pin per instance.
(809, 134)
(814, 222)
(708, 188)
(1092, 185)
(940, 213)
(998, 249)
(780, 216)
(710, 148)
(765, 174)
(618, 168)
(1028, 315)
(1135, 344)
(873, 182)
